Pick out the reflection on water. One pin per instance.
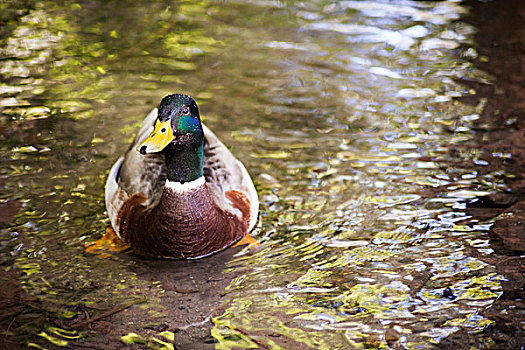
(344, 113)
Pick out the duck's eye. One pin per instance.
(163, 130)
(185, 111)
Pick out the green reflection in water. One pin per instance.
(347, 119)
(69, 74)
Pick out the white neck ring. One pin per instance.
(185, 187)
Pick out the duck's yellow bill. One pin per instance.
(161, 136)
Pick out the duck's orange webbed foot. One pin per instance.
(249, 241)
(109, 242)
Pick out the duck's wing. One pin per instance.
(135, 173)
(224, 173)
(143, 173)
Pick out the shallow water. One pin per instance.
(346, 115)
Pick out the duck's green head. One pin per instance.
(179, 135)
(178, 125)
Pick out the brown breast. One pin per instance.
(187, 225)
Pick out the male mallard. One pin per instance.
(178, 192)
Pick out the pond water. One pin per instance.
(346, 114)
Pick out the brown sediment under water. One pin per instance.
(366, 126)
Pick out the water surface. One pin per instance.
(347, 116)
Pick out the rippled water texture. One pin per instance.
(346, 115)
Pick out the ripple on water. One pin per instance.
(347, 116)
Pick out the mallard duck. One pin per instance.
(178, 192)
